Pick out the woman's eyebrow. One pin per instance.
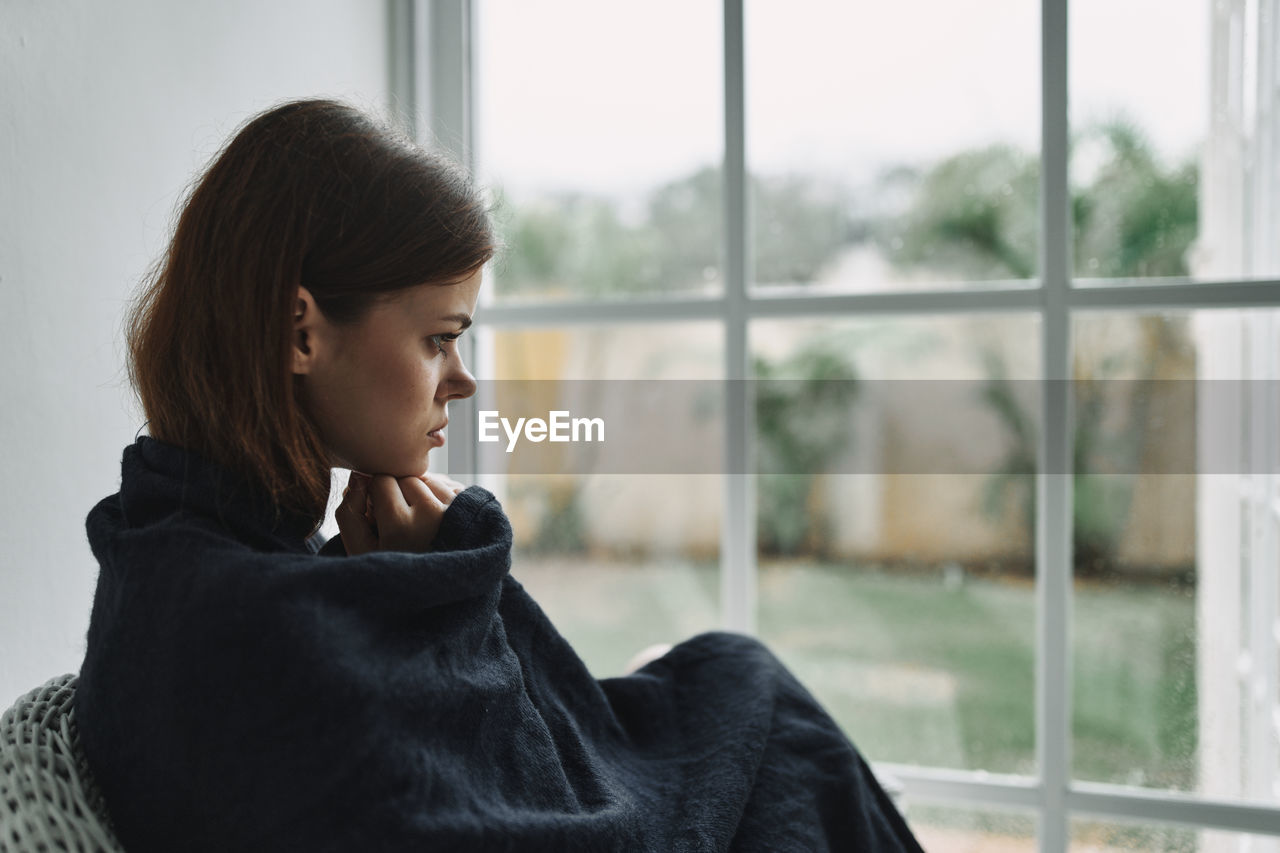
(462, 319)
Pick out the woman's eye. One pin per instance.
(440, 340)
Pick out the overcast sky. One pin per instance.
(617, 97)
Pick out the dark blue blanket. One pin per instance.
(241, 692)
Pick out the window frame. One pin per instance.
(432, 83)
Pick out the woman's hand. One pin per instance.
(385, 513)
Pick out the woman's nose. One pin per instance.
(458, 384)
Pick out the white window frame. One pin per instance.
(432, 84)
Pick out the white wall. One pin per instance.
(107, 111)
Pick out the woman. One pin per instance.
(247, 687)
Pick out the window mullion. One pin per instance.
(1054, 485)
(1265, 692)
(1261, 770)
(737, 534)
(445, 28)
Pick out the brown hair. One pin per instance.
(312, 193)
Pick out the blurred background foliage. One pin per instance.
(785, 523)
(971, 216)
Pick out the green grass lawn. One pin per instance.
(915, 670)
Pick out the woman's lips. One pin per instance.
(437, 436)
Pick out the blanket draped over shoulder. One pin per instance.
(243, 691)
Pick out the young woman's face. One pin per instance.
(378, 390)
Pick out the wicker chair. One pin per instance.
(48, 799)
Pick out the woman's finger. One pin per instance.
(358, 535)
(442, 487)
(416, 493)
(387, 501)
(361, 481)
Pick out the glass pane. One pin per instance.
(893, 146)
(969, 830)
(603, 160)
(619, 562)
(1095, 837)
(905, 601)
(1172, 641)
(1173, 164)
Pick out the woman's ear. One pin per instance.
(306, 319)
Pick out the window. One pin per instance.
(1068, 213)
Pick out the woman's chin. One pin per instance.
(373, 468)
(413, 470)
(419, 467)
